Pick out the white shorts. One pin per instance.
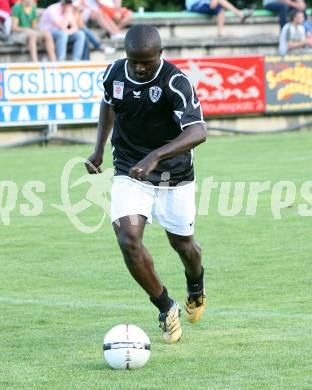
(173, 207)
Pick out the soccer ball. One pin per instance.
(126, 347)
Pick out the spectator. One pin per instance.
(60, 19)
(216, 8)
(122, 16)
(25, 30)
(91, 38)
(5, 19)
(93, 12)
(283, 7)
(293, 37)
(308, 26)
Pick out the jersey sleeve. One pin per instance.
(16, 11)
(107, 85)
(186, 106)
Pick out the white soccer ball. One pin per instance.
(126, 347)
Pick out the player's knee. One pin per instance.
(129, 244)
(183, 246)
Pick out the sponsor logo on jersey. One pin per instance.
(155, 93)
(136, 94)
(118, 89)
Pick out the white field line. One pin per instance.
(123, 306)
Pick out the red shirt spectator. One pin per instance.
(5, 19)
(114, 9)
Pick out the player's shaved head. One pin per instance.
(142, 37)
(143, 48)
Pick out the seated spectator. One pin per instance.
(25, 30)
(91, 38)
(308, 26)
(5, 19)
(122, 16)
(293, 38)
(60, 19)
(92, 11)
(283, 7)
(216, 8)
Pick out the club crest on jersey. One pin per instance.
(118, 88)
(155, 93)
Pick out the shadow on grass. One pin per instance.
(101, 366)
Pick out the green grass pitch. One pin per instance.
(61, 290)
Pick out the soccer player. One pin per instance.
(157, 121)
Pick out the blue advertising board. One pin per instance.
(68, 92)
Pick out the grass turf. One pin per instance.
(61, 290)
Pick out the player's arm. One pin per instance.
(191, 136)
(188, 116)
(106, 120)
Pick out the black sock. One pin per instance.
(163, 302)
(195, 286)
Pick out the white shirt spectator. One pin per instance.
(292, 33)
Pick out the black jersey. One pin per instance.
(149, 115)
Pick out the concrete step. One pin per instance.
(266, 44)
(210, 30)
(205, 26)
(173, 47)
(188, 35)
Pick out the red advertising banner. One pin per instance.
(229, 85)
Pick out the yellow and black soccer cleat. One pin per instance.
(169, 322)
(195, 306)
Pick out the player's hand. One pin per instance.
(93, 163)
(143, 168)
